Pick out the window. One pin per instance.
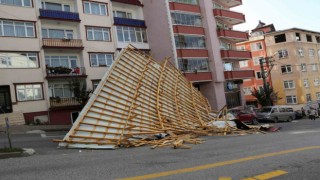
(192, 42)
(247, 91)
(258, 75)
(25, 3)
(256, 60)
(306, 83)
(243, 64)
(19, 60)
(282, 110)
(256, 46)
(62, 90)
(228, 66)
(225, 46)
(316, 81)
(280, 38)
(291, 99)
(29, 92)
(289, 109)
(95, 8)
(101, 59)
(195, 2)
(61, 61)
(309, 38)
(241, 48)
(318, 95)
(131, 34)
(122, 14)
(303, 67)
(95, 84)
(288, 84)
(55, 6)
(286, 69)
(186, 19)
(298, 38)
(98, 34)
(57, 33)
(257, 33)
(17, 28)
(311, 52)
(318, 39)
(300, 52)
(283, 53)
(314, 67)
(192, 65)
(308, 97)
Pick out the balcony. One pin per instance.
(239, 74)
(188, 30)
(231, 35)
(132, 2)
(199, 76)
(192, 53)
(235, 55)
(65, 72)
(62, 43)
(174, 6)
(229, 16)
(59, 15)
(231, 3)
(59, 102)
(129, 22)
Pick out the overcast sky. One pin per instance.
(284, 14)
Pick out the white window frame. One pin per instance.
(303, 67)
(316, 81)
(66, 32)
(287, 67)
(256, 60)
(26, 25)
(301, 52)
(201, 38)
(107, 62)
(100, 8)
(138, 33)
(289, 83)
(64, 86)
(128, 14)
(293, 99)
(70, 58)
(192, 67)
(243, 64)
(6, 61)
(185, 18)
(314, 67)
(23, 88)
(44, 6)
(2, 2)
(311, 52)
(247, 91)
(257, 46)
(306, 83)
(104, 30)
(283, 53)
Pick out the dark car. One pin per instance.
(298, 114)
(245, 116)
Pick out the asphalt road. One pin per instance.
(291, 154)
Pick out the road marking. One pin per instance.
(225, 178)
(218, 164)
(304, 132)
(45, 136)
(268, 175)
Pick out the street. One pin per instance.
(292, 153)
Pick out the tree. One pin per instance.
(80, 92)
(262, 96)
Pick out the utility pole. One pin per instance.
(263, 75)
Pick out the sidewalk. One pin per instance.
(22, 129)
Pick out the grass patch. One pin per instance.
(8, 150)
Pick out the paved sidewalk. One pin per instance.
(22, 129)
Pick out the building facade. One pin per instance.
(48, 45)
(199, 38)
(256, 44)
(296, 75)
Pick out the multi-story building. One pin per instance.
(46, 45)
(256, 44)
(296, 75)
(199, 38)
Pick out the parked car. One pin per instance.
(245, 116)
(298, 114)
(276, 113)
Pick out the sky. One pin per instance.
(284, 14)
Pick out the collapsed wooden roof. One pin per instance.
(138, 96)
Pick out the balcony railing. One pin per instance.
(230, 16)
(62, 43)
(231, 3)
(61, 15)
(235, 55)
(198, 76)
(235, 36)
(132, 2)
(65, 72)
(129, 22)
(239, 74)
(63, 102)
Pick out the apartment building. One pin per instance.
(46, 45)
(199, 38)
(256, 44)
(296, 75)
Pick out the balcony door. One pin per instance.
(55, 6)
(5, 100)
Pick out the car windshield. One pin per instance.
(265, 110)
